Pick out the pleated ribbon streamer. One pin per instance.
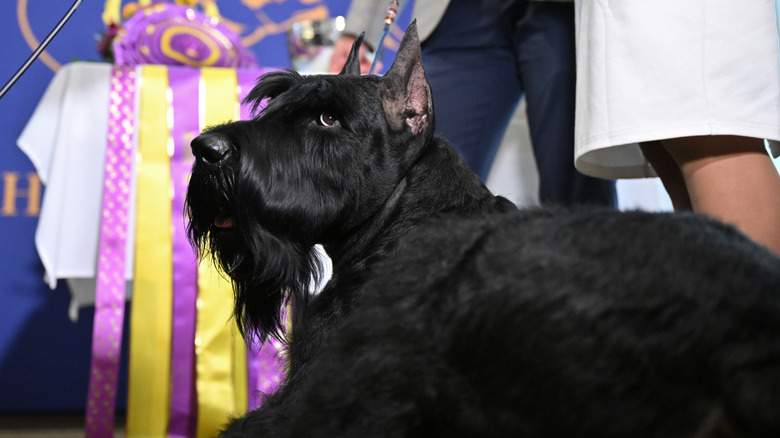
(184, 85)
(220, 351)
(189, 368)
(110, 292)
(150, 324)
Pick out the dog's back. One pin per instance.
(545, 324)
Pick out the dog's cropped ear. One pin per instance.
(406, 95)
(352, 66)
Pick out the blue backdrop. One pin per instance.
(44, 358)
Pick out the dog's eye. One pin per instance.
(327, 119)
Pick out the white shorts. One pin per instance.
(656, 69)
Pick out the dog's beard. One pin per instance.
(266, 272)
(266, 269)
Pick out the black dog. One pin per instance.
(449, 312)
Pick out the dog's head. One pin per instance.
(321, 156)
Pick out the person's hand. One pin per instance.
(341, 53)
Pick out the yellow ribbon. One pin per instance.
(220, 352)
(240, 377)
(210, 8)
(111, 12)
(150, 325)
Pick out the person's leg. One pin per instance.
(669, 173)
(544, 40)
(734, 180)
(470, 66)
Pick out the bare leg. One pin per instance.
(671, 177)
(732, 179)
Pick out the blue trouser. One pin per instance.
(480, 62)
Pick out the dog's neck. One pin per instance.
(439, 183)
(418, 196)
(371, 234)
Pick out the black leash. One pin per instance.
(40, 49)
(392, 11)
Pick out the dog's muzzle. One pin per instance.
(211, 151)
(210, 148)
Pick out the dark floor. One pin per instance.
(49, 425)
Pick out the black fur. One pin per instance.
(449, 312)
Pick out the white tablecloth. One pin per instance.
(66, 140)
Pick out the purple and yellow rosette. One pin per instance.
(188, 370)
(169, 34)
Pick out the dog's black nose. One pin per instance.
(210, 147)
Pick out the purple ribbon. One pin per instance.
(110, 291)
(184, 86)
